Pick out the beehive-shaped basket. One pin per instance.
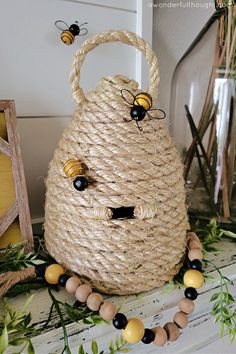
(126, 168)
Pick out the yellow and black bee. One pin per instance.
(141, 105)
(69, 32)
(77, 169)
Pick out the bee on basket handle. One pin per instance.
(69, 32)
(141, 105)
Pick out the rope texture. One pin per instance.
(7, 280)
(125, 37)
(126, 168)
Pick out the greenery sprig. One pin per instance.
(82, 312)
(223, 311)
(66, 348)
(119, 346)
(16, 329)
(211, 234)
(76, 312)
(14, 258)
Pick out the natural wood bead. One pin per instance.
(186, 306)
(108, 311)
(94, 301)
(181, 319)
(172, 331)
(83, 292)
(193, 236)
(194, 244)
(160, 336)
(195, 253)
(72, 284)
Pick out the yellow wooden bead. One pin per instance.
(134, 331)
(193, 278)
(53, 273)
(144, 100)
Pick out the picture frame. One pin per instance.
(15, 221)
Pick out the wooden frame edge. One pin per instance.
(8, 108)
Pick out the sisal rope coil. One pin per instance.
(7, 280)
(127, 168)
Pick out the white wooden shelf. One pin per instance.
(155, 308)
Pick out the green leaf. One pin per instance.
(37, 261)
(229, 233)
(86, 321)
(3, 340)
(111, 348)
(18, 341)
(215, 297)
(81, 349)
(124, 350)
(27, 320)
(30, 349)
(94, 347)
(28, 302)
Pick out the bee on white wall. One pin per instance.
(70, 32)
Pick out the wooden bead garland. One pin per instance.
(181, 319)
(172, 331)
(72, 284)
(133, 329)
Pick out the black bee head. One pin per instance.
(74, 29)
(137, 113)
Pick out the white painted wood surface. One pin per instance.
(154, 308)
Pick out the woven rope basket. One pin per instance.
(128, 168)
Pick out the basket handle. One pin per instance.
(125, 37)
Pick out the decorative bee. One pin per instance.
(76, 168)
(141, 105)
(69, 32)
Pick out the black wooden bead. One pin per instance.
(191, 293)
(80, 183)
(120, 321)
(137, 113)
(63, 279)
(196, 264)
(40, 270)
(148, 337)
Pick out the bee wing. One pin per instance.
(83, 31)
(61, 25)
(127, 96)
(161, 115)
